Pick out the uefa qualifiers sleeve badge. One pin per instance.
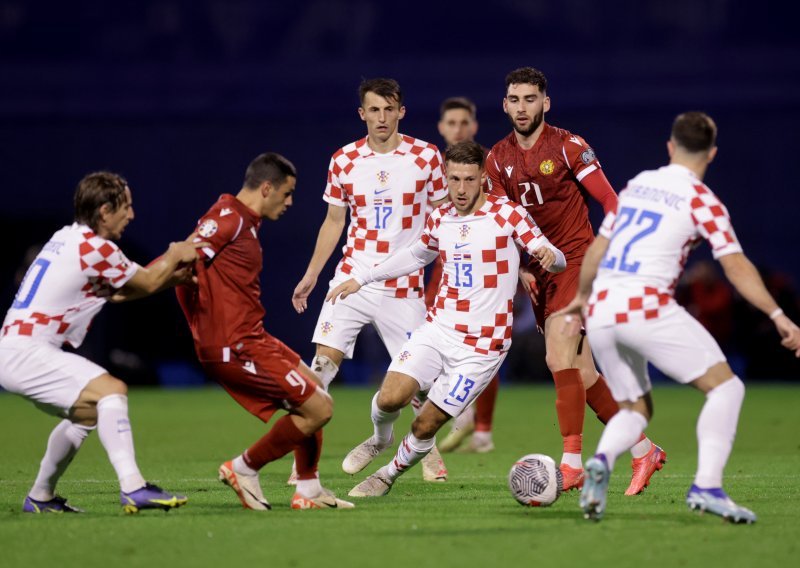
(207, 228)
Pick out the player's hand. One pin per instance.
(790, 334)
(184, 276)
(301, 293)
(528, 281)
(186, 251)
(546, 257)
(572, 315)
(343, 290)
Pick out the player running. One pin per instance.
(386, 180)
(468, 330)
(632, 317)
(75, 274)
(550, 171)
(263, 375)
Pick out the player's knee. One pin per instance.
(555, 362)
(389, 400)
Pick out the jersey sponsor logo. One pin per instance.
(588, 156)
(250, 367)
(207, 228)
(464, 232)
(326, 327)
(379, 191)
(404, 356)
(509, 169)
(450, 403)
(461, 245)
(383, 177)
(225, 211)
(547, 167)
(574, 140)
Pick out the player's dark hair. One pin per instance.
(458, 103)
(270, 167)
(389, 89)
(94, 191)
(527, 76)
(694, 131)
(467, 152)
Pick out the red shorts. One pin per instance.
(261, 376)
(555, 290)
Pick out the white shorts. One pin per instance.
(461, 372)
(53, 379)
(394, 319)
(677, 344)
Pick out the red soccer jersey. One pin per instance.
(546, 180)
(225, 307)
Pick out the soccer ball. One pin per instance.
(535, 480)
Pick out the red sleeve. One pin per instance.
(493, 179)
(598, 187)
(217, 228)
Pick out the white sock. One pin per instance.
(641, 449)
(64, 442)
(114, 429)
(309, 488)
(572, 460)
(383, 423)
(325, 369)
(716, 429)
(482, 438)
(240, 467)
(620, 434)
(410, 451)
(465, 419)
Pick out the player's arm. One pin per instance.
(170, 269)
(329, 235)
(403, 262)
(529, 236)
(748, 282)
(600, 189)
(591, 262)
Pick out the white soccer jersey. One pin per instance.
(67, 284)
(387, 195)
(662, 214)
(474, 306)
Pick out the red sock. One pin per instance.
(282, 438)
(599, 399)
(306, 456)
(484, 406)
(570, 407)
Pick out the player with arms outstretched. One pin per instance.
(260, 372)
(551, 172)
(466, 336)
(627, 283)
(386, 180)
(75, 274)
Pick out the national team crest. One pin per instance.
(547, 167)
(326, 327)
(404, 356)
(383, 177)
(207, 228)
(464, 232)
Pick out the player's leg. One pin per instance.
(647, 458)
(484, 414)
(106, 398)
(395, 322)
(570, 399)
(396, 392)
(630, 386)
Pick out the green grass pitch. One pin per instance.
(471, 520)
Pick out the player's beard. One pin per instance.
(535, 122)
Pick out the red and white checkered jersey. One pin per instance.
(480, 256)
(387, 195)
(662, 215)
(66, 285)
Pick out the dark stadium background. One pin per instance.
(179, 96)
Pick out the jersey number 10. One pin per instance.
(31, 281)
